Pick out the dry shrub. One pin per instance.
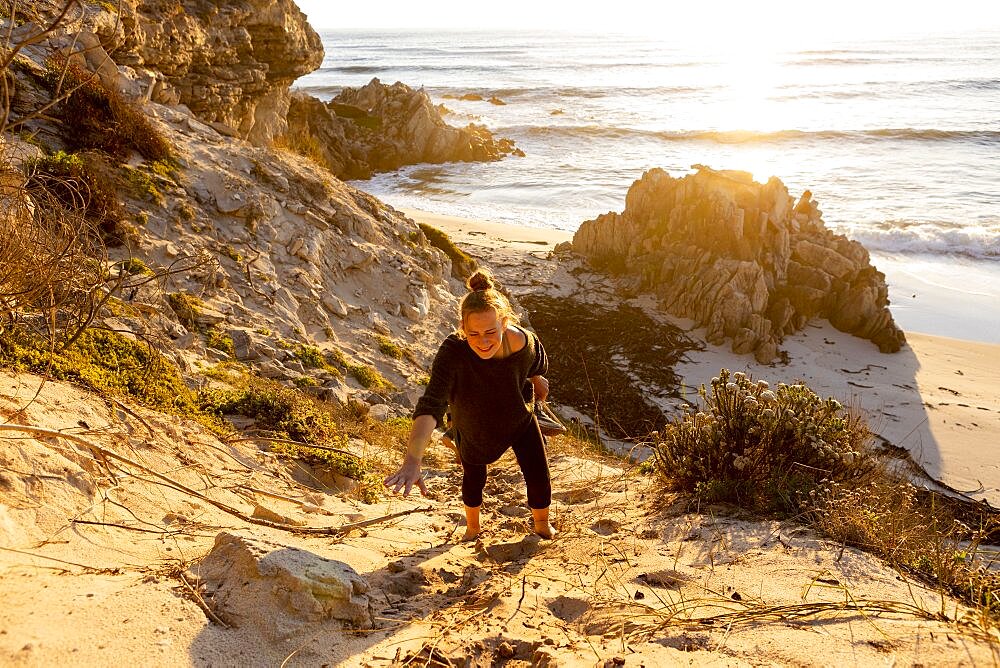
(789, 450)
(764, 449)
(51, 270)
(82, 182)
(300, 140)
(98, 117)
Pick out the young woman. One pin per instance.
(480, 371)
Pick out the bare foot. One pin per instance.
(470, 535)
(546, 531)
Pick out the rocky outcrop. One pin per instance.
(379, 128)
(230, 62)
(740, 258)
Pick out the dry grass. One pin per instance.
(918, 533)
(95, 116)
(82, 182)
(52, 266)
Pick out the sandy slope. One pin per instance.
(632, 574)
(634, 577)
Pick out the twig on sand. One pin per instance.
(781, 613)
(133, 414)
(201, 602)
(120, 526)
(108, 454)
(524, 581)
(92, 569)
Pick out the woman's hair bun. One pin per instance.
(481, 280)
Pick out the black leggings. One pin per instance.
(529, 448)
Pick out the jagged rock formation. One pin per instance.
(741, 258)
(379, 128)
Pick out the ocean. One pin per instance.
(898, 140)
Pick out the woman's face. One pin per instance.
(484, 331)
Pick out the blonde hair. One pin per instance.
(484, 295)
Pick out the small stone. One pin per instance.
(505, 650)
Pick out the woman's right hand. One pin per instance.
(408, 475)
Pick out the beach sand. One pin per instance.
(938, 397)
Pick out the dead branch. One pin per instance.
(201, 602)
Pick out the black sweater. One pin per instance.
(487, 406)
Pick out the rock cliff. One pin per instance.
(741, 258)
(229, 62)
(379, 128)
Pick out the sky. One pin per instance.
(742, 20)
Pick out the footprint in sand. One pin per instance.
(606, 527)
(568, 608)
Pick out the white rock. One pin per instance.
(381, 412)
(279, 589)
(334, 304)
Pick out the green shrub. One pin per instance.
(337, 356)
(232, 253)
(165, 168)
(390, 347)
(187, 307)
(765, 449)
(310, 356)
(106, 362)
(216, 338)
(280, 411)
(462, 264)
(369, 377)
(134, 266)
(186, 212)
(143, 186)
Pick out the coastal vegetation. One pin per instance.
(791, 452)
(98, 117)
(462, 264)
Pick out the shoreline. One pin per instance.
(939, 397)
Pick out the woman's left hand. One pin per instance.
(541, 385)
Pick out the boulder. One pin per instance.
(740, 258)
(277, 589)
